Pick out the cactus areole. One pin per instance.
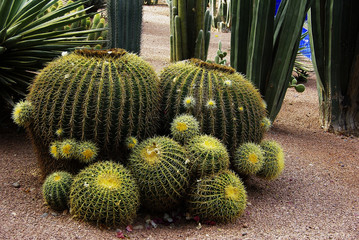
(103, 96)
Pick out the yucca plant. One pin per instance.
(30, 37)
(264, 45)
(334, 37)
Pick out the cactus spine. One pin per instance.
(125, 24)
(56, 190)
(225, 104)
(220, 197)
(160, 167)
(99, 96)
(190, 26)
(105, 192)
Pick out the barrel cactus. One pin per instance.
(226, 105)
(208, 155)
(248, 159)
(273, 160)
(22, 113)
(184, 127)
(105, 192)
(56, 190)
(161, 168)
(101, 96)
(220, 197)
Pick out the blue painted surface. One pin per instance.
(303, 43)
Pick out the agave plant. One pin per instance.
(30, 36)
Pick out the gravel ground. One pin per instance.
(316, 197)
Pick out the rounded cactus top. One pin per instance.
(111, 53)
(211, 66)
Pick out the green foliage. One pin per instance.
(220, 197)
(56, 190)
(30, 37)
(184, 127)
(273, 160)
(22, 113)
(99, 96)
(208, 155)
(190, 26)
(125, 24)
(264, 45)
(225, 104)
(105, 192)
(248, 159)
(161, 169)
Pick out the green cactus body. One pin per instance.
(105, 192)
(125, 24)
(273, 160)
(208, 155)
(99, 96)
(131, 142)
(68, 149)
(226, 105)
(56, 190)
(220, 197)
(184, 127)
(86, 152)
(248, 159)
(160, 166)
(23, 113)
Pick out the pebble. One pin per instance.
(244, 234)
(16, 184)
(245, 225)
(44, 215)
(55, 214)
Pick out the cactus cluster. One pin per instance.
(105, 192)
(101, 96)
(226, 105)
(162, 172)
(56, 190)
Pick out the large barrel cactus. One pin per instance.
(99, 96)
(226, 104)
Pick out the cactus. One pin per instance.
(220, 197)
(273, 160)
(68, 149)
(248, 159)
(160, 167)
(222, 15)
(208, 155)
(86, 152)
(56, 190)
(125, 24)
(131, 142)
(99, 96)
(226, 105)
(105, 192)
(184, 127)
(22, 113)
(190, 26)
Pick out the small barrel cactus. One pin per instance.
(23, 113)
(56, 190)
(105, 192)
(68, 149)
(160, 167)
(220, 197)
(273, 160)
(184, 127)
(86, 151)
(100, 96)
(208, 155)
(226, 105)
(131, 142)
(248, 159)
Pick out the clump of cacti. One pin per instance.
(273, 160)
(226, 105)
(220, 197)
(248, 159)
(184, 127)
(99, 96)
(208, 155)
(23, 113)
(160, 166)
(105, 192)
(56, 190)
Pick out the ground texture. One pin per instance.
(316, 197)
